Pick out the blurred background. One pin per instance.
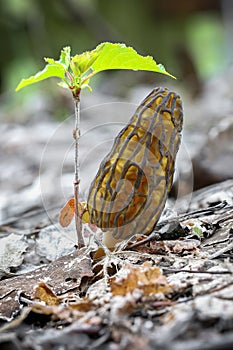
(192, 38)
(194, 41)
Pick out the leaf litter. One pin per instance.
(157, 291)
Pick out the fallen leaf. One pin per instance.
(12, 249)
(83, 305)
(68, 311)
(180, 247)
(146, 278)
(62, 275)
(45, 294)
(67, 213)
(174, 246)
(54, 242)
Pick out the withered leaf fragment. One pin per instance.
(147, 278)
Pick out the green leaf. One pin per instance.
(52, 69)
(198, 231)
(119, 56)
(65, 57)
(105, 56)
(83, 62)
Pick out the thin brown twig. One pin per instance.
(222, 251)
(167, 271)
(214, 289)
(195, 214)
(76, 135)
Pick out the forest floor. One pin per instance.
(173, 290)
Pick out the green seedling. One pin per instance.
(75, 73)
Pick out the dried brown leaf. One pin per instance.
(83, 305)
(67, 213)
(176, 246)
(67, 311)
(146, 278)
(45, 294)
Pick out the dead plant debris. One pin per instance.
(170, 290)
